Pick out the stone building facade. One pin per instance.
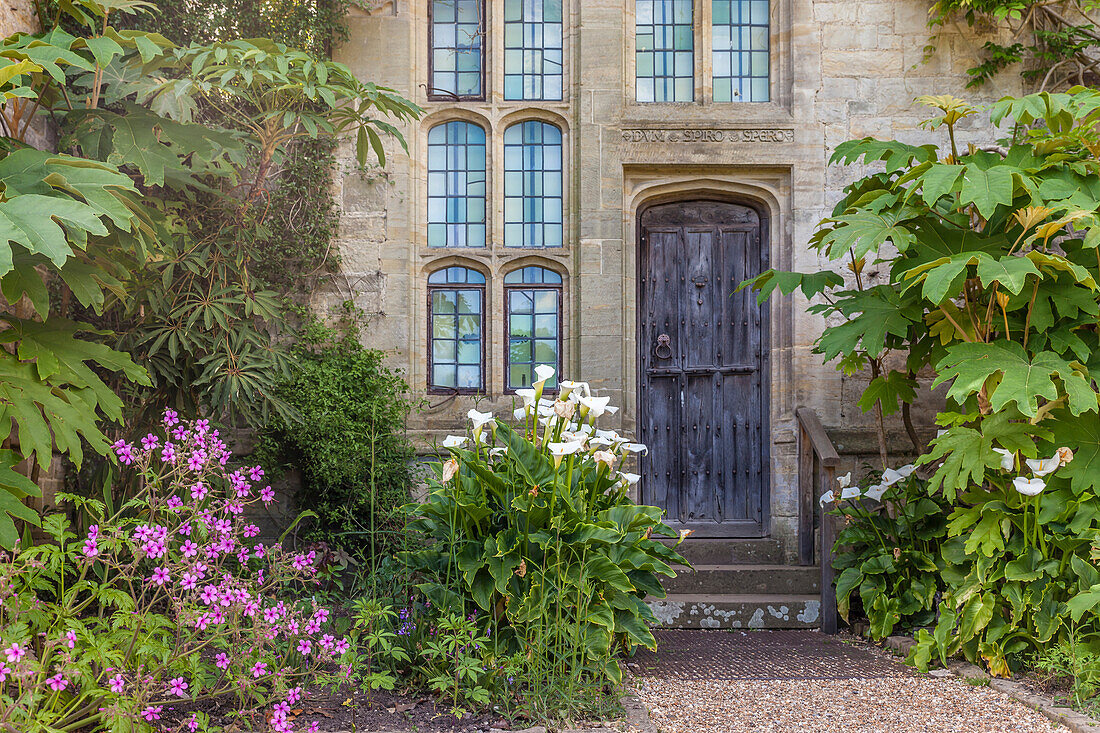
(515, 227)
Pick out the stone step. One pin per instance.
(708, 551)
(737, 611)
(742, 579)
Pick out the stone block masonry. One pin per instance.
(838, 69)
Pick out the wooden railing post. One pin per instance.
(828, 539)
(806, 498)
(817, 462)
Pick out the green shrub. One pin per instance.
(534, 533)
(350, 444)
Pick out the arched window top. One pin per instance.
(532, 132)
(456, 132)
(532, 276)
(456, 276)
(533, 192)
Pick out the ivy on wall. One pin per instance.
(1056, 43)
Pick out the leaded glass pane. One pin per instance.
(456, 185)
(532, 185)
(457, 29)
(532, 49)
(740, 35)
(664, 38)
(455, 326)
(533, 317)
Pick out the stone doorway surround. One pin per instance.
(769, 190)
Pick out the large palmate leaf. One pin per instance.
(1082, 434)
(1023, 378)
(864, 231)
(872, 315)
(154, 145)
(50, 395)
(14, 487)
(54, 202)
(987, 189)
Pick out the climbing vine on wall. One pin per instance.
(1056, 43)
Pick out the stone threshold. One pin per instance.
(1075, 721)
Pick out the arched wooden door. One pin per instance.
(703, 367)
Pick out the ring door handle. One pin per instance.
(663, 342)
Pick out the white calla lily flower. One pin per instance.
(527, 395)
(636, 448)
(1043, 466)
(519, 413)
(630, 478)
(454, 441)
(851, 492)
(827, 498)
(907, 470)
(845, 480)
(594, 406)
(1008, 458)
(481, 419)
(891, 477)
(875, 492)
(1029, 486)
(568, 387)
(561, 450)
(543, 372)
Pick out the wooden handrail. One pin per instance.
(823, 447)
(817, 462)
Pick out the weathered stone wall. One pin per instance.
(16, 16)
(840, 69)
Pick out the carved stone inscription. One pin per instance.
(745, 135)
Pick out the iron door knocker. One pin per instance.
(663, 342)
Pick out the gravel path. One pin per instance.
(892, 705)
(819, 685)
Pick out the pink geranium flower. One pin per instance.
(160, 576)
(4, 671)
(14, 652)
(91, 549)
(152, 712)
(222, 660)
(70, 639)
(171, 417)
(259, 669)
(267, 494)
(117, 683)
(57, 683)
(177, 686)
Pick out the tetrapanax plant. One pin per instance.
(160, 603)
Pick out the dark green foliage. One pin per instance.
(350, 445)
(297, 245)
(311, 25)
(887, 557)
